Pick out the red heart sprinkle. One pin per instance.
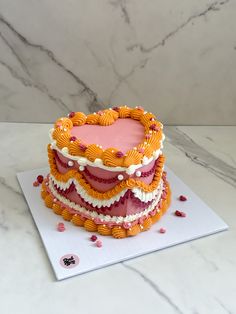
(179, 213)
(93, 238)
(119, 154)
(73, 138)
(71, 114)
(182, 198)
(82, 147)
(40, 179)
(153, 126)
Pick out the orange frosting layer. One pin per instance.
(151, 138)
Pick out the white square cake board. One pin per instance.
(75, 241)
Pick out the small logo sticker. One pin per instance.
(69, 260)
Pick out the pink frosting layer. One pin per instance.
(123, 134)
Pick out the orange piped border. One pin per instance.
(118, 232)
(151, 138)
(128, 183)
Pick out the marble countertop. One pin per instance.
(177, 60)
(195, 277)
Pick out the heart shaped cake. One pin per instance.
(107, 171)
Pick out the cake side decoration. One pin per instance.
(107, 171)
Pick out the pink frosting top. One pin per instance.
(123, 134)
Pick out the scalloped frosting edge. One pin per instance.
(138, 193)
(104, 218)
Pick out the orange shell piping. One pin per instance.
(136, 114)
(133, 157)
(145, 118)
(57, 209)
(106, 119)
(63, 140)
(78, 119)
(104, 230)
(66, 123)
(110, 158)
(133, 231)
(48, 201)
(124, 112)
(147, 224)
(92, 118)
(66, 215)
(74, 148)
(148, 151)
(56, 133)
(112, 112)
(43, 193)
(93, 151)
(118, 232)
(90, 225)
(77, 220)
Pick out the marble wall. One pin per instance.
(176, 58)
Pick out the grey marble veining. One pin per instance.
(177, 61)
(195, 277)
(155, 287)
(61, 86)
(201, 156)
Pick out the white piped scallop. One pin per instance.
(156, 153)
(146, 196)
(106, 218)
(131, 169)
(82, 161)
(64, 150)
(145, 160)
(98, 162)
(138, 193)
(81, 168)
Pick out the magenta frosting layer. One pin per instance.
(123, 134)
